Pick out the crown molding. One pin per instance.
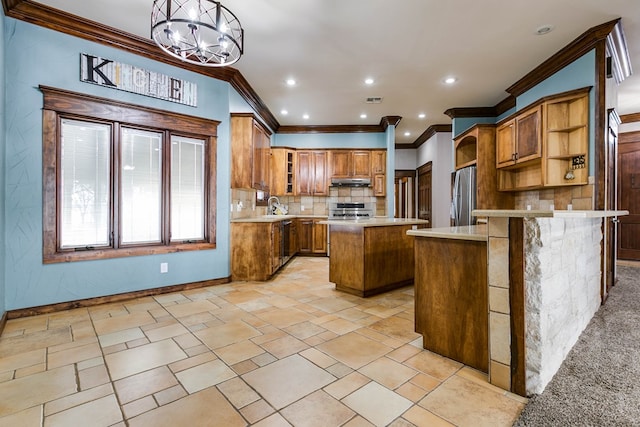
(574, 50)
(630, 118)
(57, 20)
(425, 136)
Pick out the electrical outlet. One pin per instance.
(164, 267)
(302, 208)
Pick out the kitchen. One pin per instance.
(63, 284)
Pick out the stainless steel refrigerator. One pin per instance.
(464, 196)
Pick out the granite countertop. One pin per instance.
(465, 232)
(521, 213)
(378, 221)
(276, 218)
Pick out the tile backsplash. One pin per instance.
(243, 202)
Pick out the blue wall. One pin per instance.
(580, 73)
(29, 283)
(331, 140)
(2, 173)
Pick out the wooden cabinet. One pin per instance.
(552, 154)
(366, 261)
(255, 250)
(451, 299)
(378, 172)
(282, 171)
(312, 236)
(311, 176)
(518, 139)
(476, 146)
(250, 153)
(350, 163)
(276, 246)
(378, 161)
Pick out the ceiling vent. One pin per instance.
(374, 100)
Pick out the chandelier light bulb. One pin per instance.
(192, 14)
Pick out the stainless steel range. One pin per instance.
(352, 210)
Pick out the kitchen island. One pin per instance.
(370, 256)
(542, 281)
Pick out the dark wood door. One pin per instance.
(610, 202)
(629, 196)
(404, 193)
(424, 193)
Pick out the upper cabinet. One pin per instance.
(477, 147)
(518, 139)
(311, 176)
(250, 153)
(350, 163)
(549, 144)
(283, 163)
(378, 161)
(378, 172)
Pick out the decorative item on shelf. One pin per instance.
(569, 175)
(578, 162)
(201, 32)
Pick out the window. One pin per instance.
(122, 180)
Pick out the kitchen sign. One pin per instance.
(105, 72)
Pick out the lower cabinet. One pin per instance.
(312, 237)
(259, 249)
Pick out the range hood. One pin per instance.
(350, 182)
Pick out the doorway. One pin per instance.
(405, 188)
(629, 195)
(425, 191)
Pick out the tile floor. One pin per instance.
(291, 351)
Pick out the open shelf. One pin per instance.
(466, 151)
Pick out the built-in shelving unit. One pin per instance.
(565, 142)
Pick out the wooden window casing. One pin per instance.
(59, 104)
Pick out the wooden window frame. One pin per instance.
(58, 104)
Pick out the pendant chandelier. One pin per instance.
(201, 32)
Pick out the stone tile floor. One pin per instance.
(291, 351)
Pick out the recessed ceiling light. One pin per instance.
(363, 116)
(284, 112)
(544, 29)
(368, 81)
(407, 134)
(450, 80)
(422, 115)
(291, 82)
(305, 116)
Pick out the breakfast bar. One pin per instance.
(534, 283)
(367, 257)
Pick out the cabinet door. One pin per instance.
(276, 245)
(241, 152)
(361, 164)
(378, 161)
(339, 163)
(319, 238)
(505, 140)
(319, 184)
(282, 171)
(528, 136)
(379, 185)
(293, 238)
(305, 236)
(261, 161)
(304, 173)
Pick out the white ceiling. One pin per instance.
(407, 46)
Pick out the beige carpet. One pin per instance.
(599, 382)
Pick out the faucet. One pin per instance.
(269, 206)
